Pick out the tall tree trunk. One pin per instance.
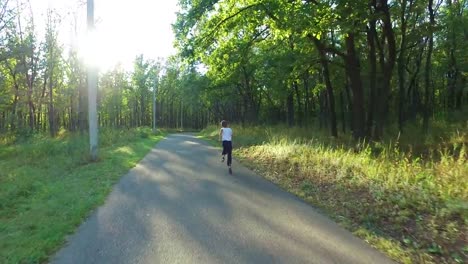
(353, 71)
(306, 99)
(72, 122)
(322, 98)
(350, 104)
(452, 67)
(14, 105)
(343, 115)
(290, 108)
(82, 106)
(459, 99)
(142, 110)
(412, 93)
(328, 85)
(387, 64)
(3, 122)
(52, 123)
(371, 36)
(331, 99)
(32, 111)
(401, 66)
(181, 115)
(300, 111)
(30, 79)
(427, 75)
(249, 97)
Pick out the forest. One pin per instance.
(387, 79)
(348, 67)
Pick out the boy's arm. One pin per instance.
(220, 134)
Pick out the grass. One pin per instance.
(412, 206)
(48, 187)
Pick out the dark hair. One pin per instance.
(224, 123)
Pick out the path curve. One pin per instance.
(180, 205)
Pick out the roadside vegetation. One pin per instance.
(48, 186)
(406, 196)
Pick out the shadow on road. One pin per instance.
(179, 205)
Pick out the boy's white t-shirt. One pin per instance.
(227, 134)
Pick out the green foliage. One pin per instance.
(44, 181)
(262, 64)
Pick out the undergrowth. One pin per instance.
(48, 186)
(407, 195)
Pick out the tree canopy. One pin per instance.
(359, 67)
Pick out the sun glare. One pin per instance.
(88, 49)
(123, 31)
(98, 49)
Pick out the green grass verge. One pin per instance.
(48, 187)
(413, 208)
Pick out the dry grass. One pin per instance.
(413, 208)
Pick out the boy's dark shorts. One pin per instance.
(227, 147)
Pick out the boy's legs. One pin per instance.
(224, 150)
(229, 152)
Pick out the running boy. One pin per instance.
(225, 135)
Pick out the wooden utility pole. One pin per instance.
(154, 106)
(92, 88)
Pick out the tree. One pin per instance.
(92, 90)
(52, 74)
(300, 63)
(242, 42)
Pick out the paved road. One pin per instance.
(180, 205)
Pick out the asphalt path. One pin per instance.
(180, 205)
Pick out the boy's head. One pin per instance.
(224, 123)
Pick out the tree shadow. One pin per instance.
(179, 205)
